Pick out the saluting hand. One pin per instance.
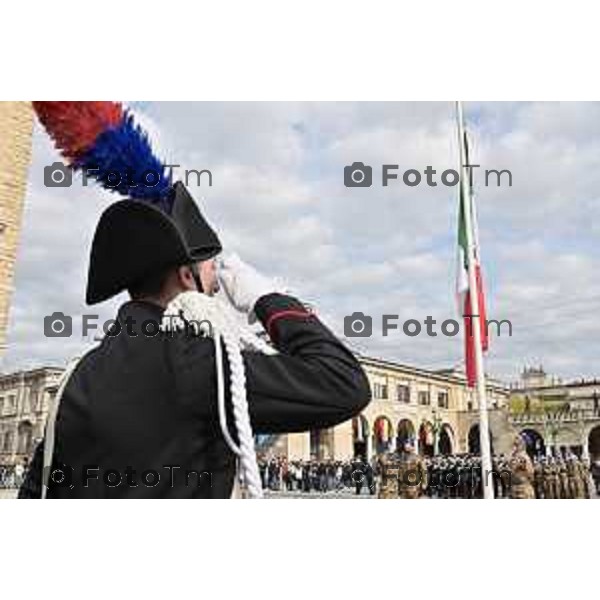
(243, 284)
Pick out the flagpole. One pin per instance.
(484, 431)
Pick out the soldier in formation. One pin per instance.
(412, 473)
(388, 472)
(521, 472)
(558, 477)
(403, 474)
(454, 476)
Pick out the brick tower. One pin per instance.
(16, 121)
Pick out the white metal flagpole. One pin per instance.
(484, 431)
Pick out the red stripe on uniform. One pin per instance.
(303, 314)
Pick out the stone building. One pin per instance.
(16, 122)
(436, 409)
(24, 402)
(556, 416)
(439, 411)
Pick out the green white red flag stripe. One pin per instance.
(462, 277)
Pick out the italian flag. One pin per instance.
(462, 285)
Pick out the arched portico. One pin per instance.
(473, 440)
(25, 433)
(405, 432)
(426, 439)
(360, 437)
(534, 442)
(383, 438)
(594, 443)
(446, 440)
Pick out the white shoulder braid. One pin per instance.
(213, 317)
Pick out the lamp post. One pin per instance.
(551, 426)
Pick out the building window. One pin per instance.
(424, 399)
(48, 399)
(1, 405)
(380, 391)
(8, 440)
(12, 404)
(443, 400)
(33, 401)
(25, 438)
(403, 393)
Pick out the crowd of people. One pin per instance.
(457, 476)
(565, 477)
(460, 476)
(322, 476)
(445, 476)
(11, 476)
(551, 477)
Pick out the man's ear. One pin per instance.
(185, 277)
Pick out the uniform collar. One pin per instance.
(141, 309)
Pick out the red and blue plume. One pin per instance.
(103, 140)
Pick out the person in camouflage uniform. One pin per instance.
(550, 479)
(521, 469)
(505, 476)
(573, 477)
(538, 477)
(584, 478)
(563, 480)
(595, 472)
(388, 476)
(412, 473)
(555, 478)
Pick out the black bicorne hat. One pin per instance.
(136, 239)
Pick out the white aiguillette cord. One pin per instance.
(211, 316)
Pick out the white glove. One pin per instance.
(243, 284)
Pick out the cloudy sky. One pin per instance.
(279, 200)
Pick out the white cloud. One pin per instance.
(278, 199)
